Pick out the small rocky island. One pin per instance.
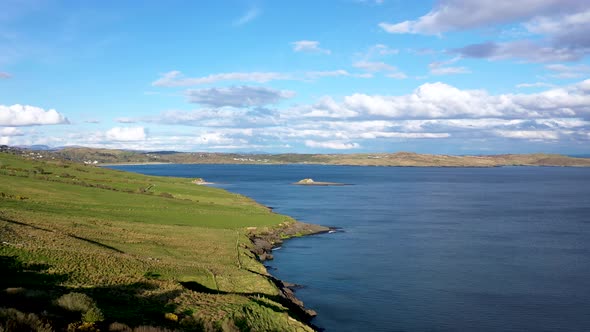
(200, 181)
(311, 182)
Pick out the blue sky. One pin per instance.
(338, 76)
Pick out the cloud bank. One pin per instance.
(25, 115)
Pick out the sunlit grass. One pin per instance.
(113, 236)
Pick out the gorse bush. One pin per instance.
(81, 303)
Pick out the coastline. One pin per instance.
(131, 164)
(264, 240)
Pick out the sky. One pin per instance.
(333, 76)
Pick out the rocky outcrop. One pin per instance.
(311, 182)
(265, 239)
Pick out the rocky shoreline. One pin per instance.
(265, 240)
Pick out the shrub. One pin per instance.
(81, 303)
(119, 327)
(150, 329)
(76, 302)
(93, 315)
(15, 321)
(171, 317)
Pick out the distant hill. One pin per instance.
(409, 159)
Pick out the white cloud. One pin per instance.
(334, 145)
(378, 66)
(326, 107)
(564, 71)
(563, 24)
(248, 16)
(327, 73)
(25, 115)
(567, 29)
(125, 120)
(312, 46)
(529, 50)
(443, 68)
(535, 85)
(11, 131)
(372, 135)
(448, 70)
(381, 49)
(449, 15)
(240, 96)
(126, 134)
(529, 134)
(439, 100)
(374, 66)
(176, 79)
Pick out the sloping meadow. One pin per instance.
(147, 252)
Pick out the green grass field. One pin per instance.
(149, 251)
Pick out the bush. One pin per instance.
(15, 321)
(93, 315)
(76, 302)
(81, 303)
(119, 327)
(170, 316)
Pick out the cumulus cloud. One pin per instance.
(25, 115)
(11, 131)
(311, 46)
(176, 79)
(126, 134)
(239, 96)
(4, 75)
(334, 145)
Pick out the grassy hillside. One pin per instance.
(134, 250)
(90, 155)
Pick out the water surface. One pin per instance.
(429, 249)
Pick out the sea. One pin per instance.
(427, 249)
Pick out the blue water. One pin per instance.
(429, 249)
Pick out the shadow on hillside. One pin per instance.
(20, 223)
(30, 288)
(295, 310)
